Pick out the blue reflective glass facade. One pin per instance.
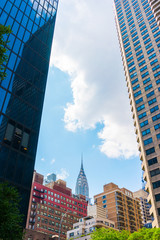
(22, 91)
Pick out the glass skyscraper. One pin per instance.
(139, 37)
(22, 91)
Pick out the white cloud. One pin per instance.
(86, 47)
(63, 174)
(53, 161)
(43, 159)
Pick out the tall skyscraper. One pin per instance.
(82, 184)
(139, 37)
(22, 91)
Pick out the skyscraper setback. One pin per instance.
(22, 91)
(139, 38)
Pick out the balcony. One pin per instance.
(38, 196)
(38, 190)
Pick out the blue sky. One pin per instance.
(86, 106)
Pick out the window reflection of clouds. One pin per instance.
(44, 8)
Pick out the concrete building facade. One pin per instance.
(155, 6)
(53, 208)
(120, 206)
(139, 37)
(145, 206)
(96, 211)
(82, 230)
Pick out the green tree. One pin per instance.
(10, 217)
(109, 234)
(156, 234)
(3, 43)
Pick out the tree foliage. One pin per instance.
(3, 44)
(10, 217)
(111, 234)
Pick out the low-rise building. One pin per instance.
(121, 207)
(82, 230)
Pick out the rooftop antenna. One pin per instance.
(81, 160)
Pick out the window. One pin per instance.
(156, 117)
(141, 63)
(144, 123)
(154, 61)
(145, 74)
(146, 81)
(141, 57)
(145, 132)
(150, 151)
(142, 115)
(150, 94)
(136, 87)
(143, 68)
(152, 161)
(148, 141)
(155, 172)
(155, 68)
(156, 184)
(137, 93)
(148, 87)
(157, 126)
(139, 100)
(152, 56)
(140, 107)
(158, 136)
(157, 196)
(134, 81)
(150, 51)
(154, 109)
(152, 101)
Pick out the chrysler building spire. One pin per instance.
(82, 184)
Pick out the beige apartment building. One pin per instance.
(145, 206)
(155, 6)
(139, 38)
(120, 206)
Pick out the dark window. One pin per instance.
(156, 184)
(155, 172)
(157, 196)
(152, 161)
(150, 151)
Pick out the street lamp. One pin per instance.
(61, 223)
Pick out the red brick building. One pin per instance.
(53, 207)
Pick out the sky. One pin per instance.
(86, 108)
